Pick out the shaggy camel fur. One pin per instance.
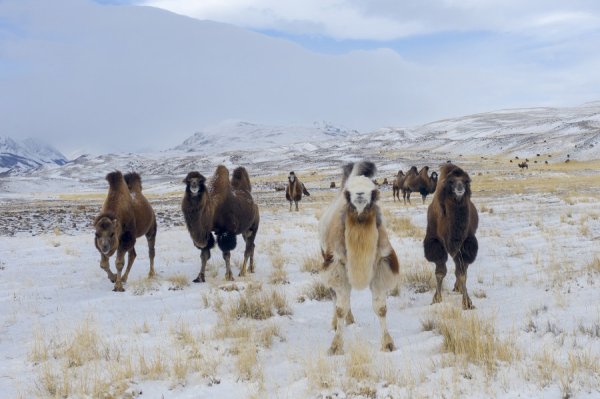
(419, 182)
(125, 216)
(397, 185)
(356, 250)
(295, 189)
(225, 208)
(451, 225)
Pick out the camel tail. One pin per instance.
(363, 168)
(114, 179)
(240, 179)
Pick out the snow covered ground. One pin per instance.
(535, 331)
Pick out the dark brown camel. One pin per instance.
(125, 216)
(451, 226)
(419, 182)
(294, 190)
(225, 208)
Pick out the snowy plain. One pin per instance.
(535, 284)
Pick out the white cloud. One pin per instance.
(386, 20)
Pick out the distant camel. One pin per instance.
(397, 185)
(125, 216)
(523, 165)
(421, 183)
(332, 184)
(225, 208)
(356, 250)
(452, 222)
(294, 190)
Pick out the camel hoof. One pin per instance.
(199, 279)
(229, 276)
(335, 350)
(349, 318)
(151, 274)
(437, 298)
(118, 289)
(388, 347)
(242, 274)
(468, 305)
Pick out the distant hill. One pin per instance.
(27, 155)
(237, 135)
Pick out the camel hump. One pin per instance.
(363, 168)
(134, 181)
(114, 179)
(240, 179)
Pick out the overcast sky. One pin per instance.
(112, 76)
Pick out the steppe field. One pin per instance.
(535, 331)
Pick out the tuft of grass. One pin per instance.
(359, 361)
(317, 291)
(178, 281)
(312, 263)
(320, 371)
(259, 305)
(246, 362)
(419, 276)
(465, 334)
(402, 226)
(593, 266)
(278, 274)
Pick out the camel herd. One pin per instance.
(356, 250)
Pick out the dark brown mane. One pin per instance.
(294, 190)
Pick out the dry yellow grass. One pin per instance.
(402, 226)
(419, 276)
(317, 291)
(359, 361)
(312, 263)
(178, 281)
(319, 370)
(466, 335)
(259, 305)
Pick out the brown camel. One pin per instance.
(397, 185)
(451, 226)
(125, 216)
(419, 182)
(224, 207)
(295, 189)
(356, 250)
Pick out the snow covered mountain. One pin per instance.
(552, 132)
(26, 155)
(238, 135)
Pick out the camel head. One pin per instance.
(292, 177)
(455, 182)
(108, 230)
(194, 184)
(361, 195)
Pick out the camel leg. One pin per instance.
(457, 287)
(204, 257)
(290, 206)
(423, 197)
(296, 202)
(248, 253)
(119, 263)
(408, 196)
(461, 281)
(440, 273)
(151, 253)
(380, 309)
(349, 315)
(131, 255)
(227, 257)
(106, 266)
(342, 307)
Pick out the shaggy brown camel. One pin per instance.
(125, 216)
(224, 207)
(397, 185)
(421, 183)
(452, 222)
(294, 190)
(356, 250)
